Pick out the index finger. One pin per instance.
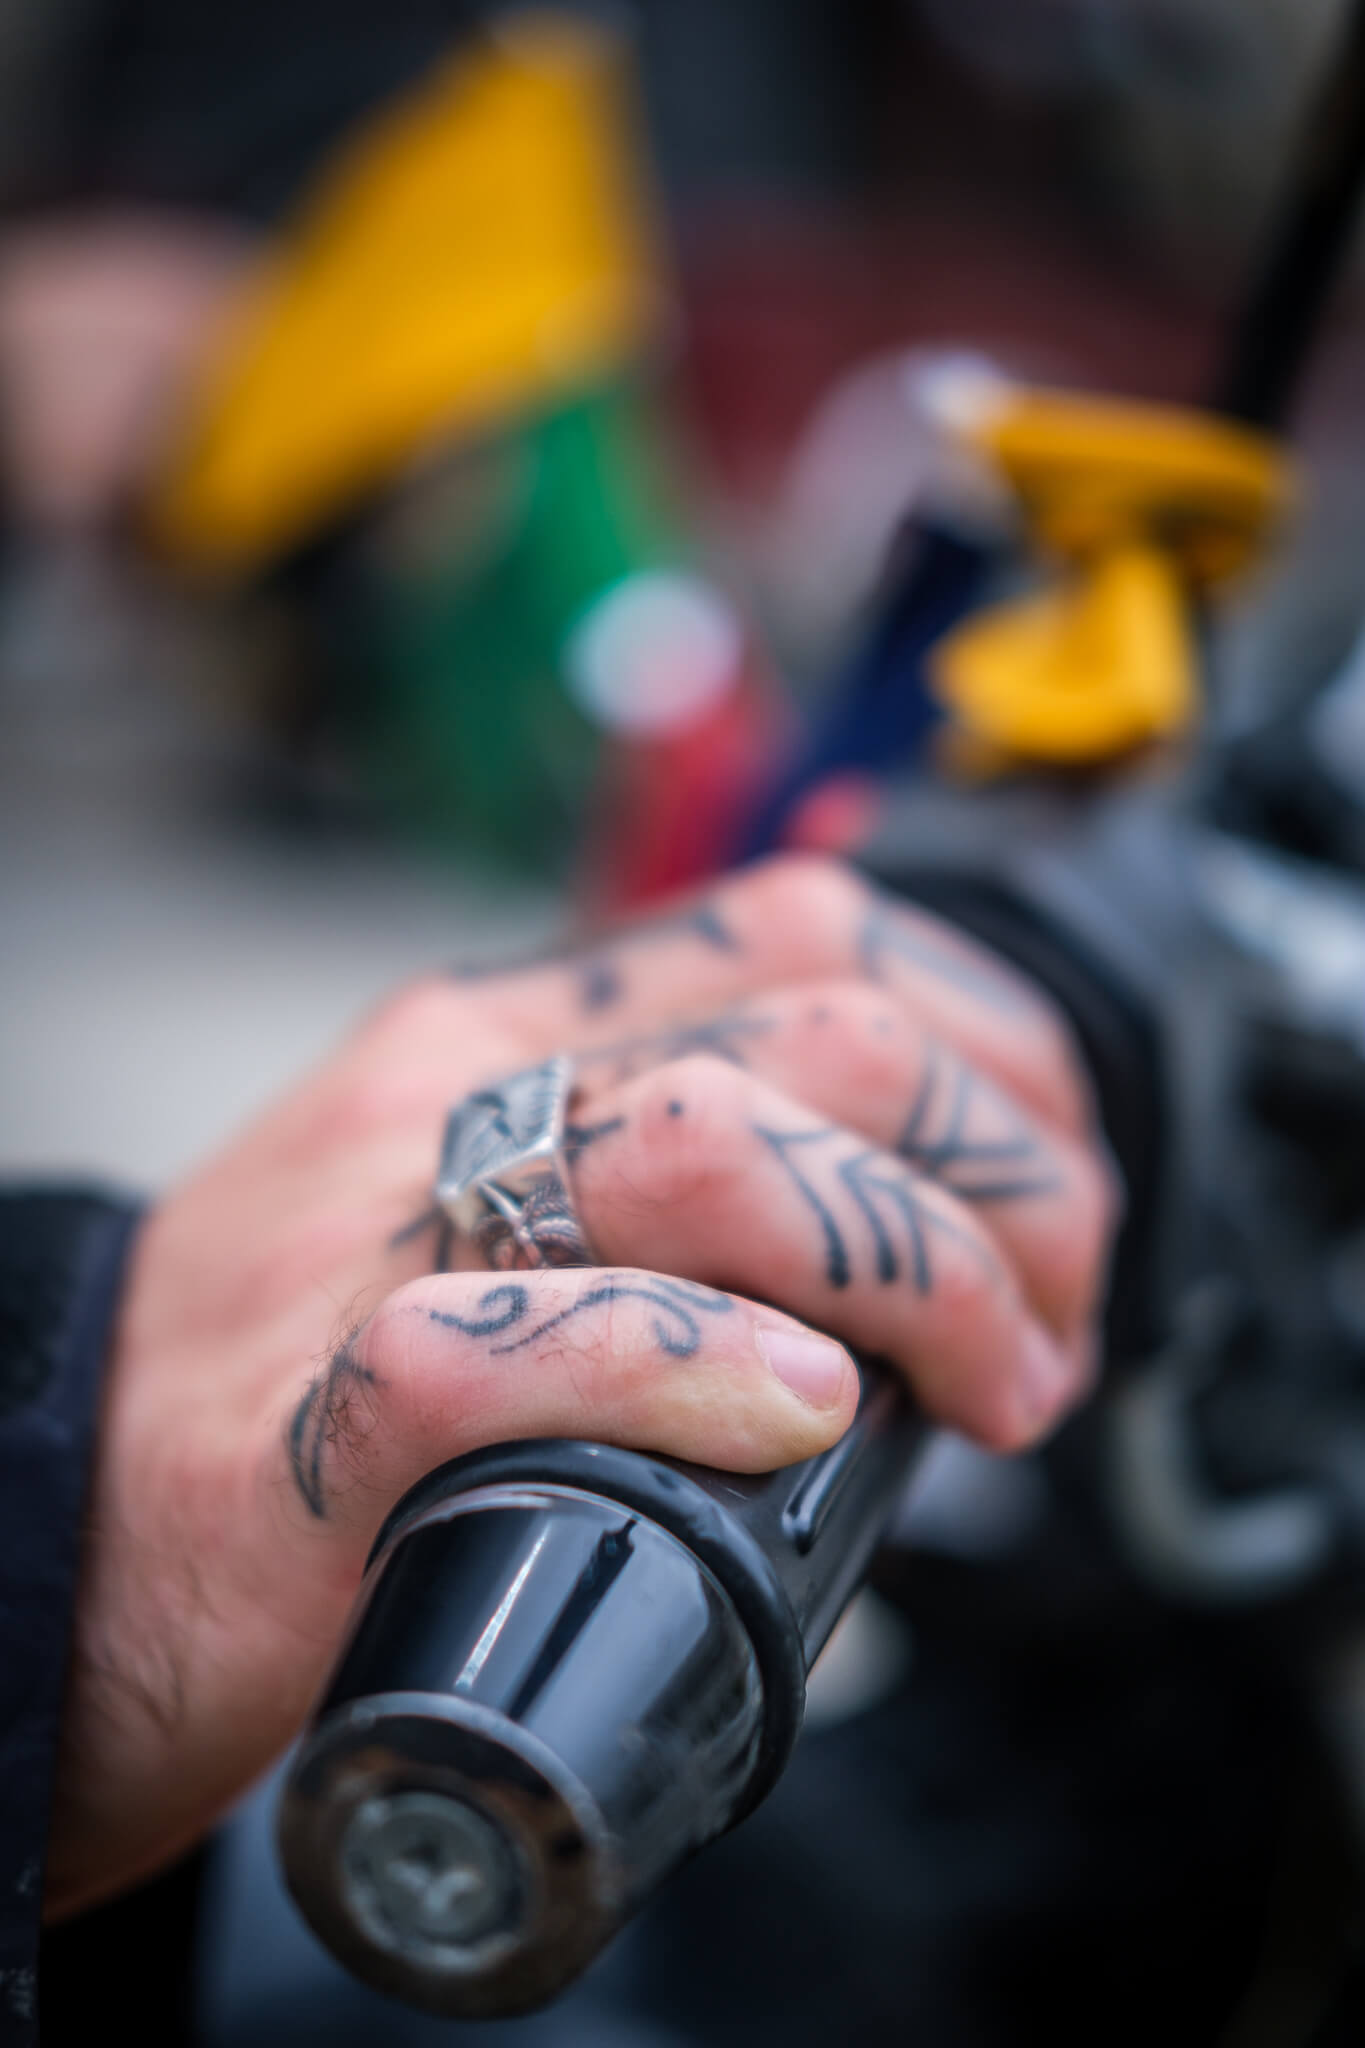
(793, 919)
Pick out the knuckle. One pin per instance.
(395, 1342)
(387, 1060)
(383, 1342)
(412, 1012)
(369, 1098)
(398, 1065)
(856, 1004)
(808, 899)
(690, 1131)
(873, 1039)
(416, 1026)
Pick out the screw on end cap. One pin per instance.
(428, 1877)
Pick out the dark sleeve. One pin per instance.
(62, 1257)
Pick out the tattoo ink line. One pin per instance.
(322, 1418)
(601, 976)
(838, 1269)
(887, 935)
(578, 1137)
(972, 1168)
(722, 1037)
(410, 1232)
(871, 1181)
(864, 1185)
(601, 981)
(676, 1328)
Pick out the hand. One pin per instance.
(793, 1092)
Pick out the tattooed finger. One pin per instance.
(624, 1356)
(854, 1057)
(727, 1180)
(796, 919)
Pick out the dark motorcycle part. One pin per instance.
(1118, 1034)
(1303, 263)
(570, 1667)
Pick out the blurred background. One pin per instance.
(445, 451)
(448, 454)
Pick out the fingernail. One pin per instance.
(1047, 1379)
(813, 1367)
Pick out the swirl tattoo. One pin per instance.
(676, 1327)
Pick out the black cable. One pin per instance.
(1308, 247)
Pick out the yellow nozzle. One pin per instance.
(1139, 508)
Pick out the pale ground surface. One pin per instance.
(163, 969)
(161, 981)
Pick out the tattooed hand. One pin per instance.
(793, 1093)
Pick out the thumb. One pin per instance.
(452, 1362)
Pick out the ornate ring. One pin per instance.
(502, 1179)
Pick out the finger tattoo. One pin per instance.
(578, 1137)
(838, 1270)
(601, 974)
(336, 1409)
(886, 1197)
(676, 1327)
(723, 1038)
(889, 935)
(937, 1137)
(430, 1219)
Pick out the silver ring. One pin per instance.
(503, 1181)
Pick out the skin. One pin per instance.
(791, 1093)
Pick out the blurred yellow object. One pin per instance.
(1094, 473)
(1141, 507)
(1091, 668)
(479, 250)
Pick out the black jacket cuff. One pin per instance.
(63, 1253)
